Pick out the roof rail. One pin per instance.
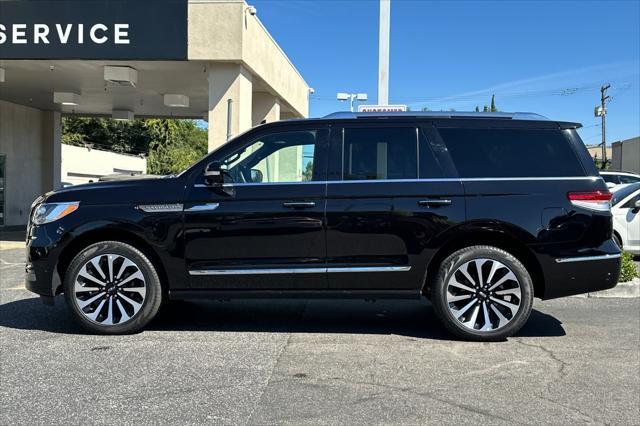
(439, 114)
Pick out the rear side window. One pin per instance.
(629, 179)
(380, 153)
(511, 153)
(611, 178)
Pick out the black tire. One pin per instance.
(617, 240)
(150, 304)
(450, 266)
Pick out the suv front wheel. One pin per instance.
(112, 288)
(482, 293)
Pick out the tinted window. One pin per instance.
(629, 179)
(511, 153)
(378, 153)
(279, 157)
(610, 178)
(428, 166)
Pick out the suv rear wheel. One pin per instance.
(482, 293)
(112, 288)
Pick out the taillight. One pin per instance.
(593, 200)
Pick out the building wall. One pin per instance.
(23, 144)
(626, 155)
(224, 31)
(82, 165)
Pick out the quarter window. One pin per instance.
(511, 153)
(380, 153)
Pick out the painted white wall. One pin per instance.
(82, 165)
(28, 139)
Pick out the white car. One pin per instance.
(625, 207)
(619, 178)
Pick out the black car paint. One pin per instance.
(352, 224)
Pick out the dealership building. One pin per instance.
(201, 59)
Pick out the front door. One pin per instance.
(386, 205)
(266, 229)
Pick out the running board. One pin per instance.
(294, 294)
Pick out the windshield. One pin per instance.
(622, 192)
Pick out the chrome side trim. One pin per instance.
(161, 208)
(200, 272)
(203, 207)
(488, 179)
(588, 258)
(371, 269)
(257, 271)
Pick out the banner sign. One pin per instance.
(382, 108)
(93, 29)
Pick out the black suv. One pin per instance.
(477, 212)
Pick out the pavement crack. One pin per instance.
(276, 363)
(562, 374)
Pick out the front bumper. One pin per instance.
(43, 248)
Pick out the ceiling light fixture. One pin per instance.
(122, 115)
(176, 100)
(122, 76)
(66, 98)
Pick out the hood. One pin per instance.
(123, 191)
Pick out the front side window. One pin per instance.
(511, 153)
(380, 153)
(274, 158)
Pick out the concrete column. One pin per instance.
(266, 107)
(228, 81)
(51, 150)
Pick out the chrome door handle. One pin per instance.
(299, 204)
(434, 202)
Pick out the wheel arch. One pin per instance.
(501, 235)
(80, 242)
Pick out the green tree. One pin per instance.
(175, 145)
(171, 145)
(493, 104)
(307, 173)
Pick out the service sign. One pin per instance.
(93, 29)
(382, 108)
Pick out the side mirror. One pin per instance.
(636, 207)
(256, 176)
(214, 175)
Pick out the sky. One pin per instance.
(547, 57)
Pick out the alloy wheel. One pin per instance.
(483, 294)
(109, 289)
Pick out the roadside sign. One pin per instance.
(382, 108)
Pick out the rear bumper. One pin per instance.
(568, 274)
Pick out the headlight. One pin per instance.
(50, 212)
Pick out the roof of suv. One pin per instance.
(528, 116)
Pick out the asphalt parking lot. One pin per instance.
(256, 362)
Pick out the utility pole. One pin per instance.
(383, 52)
(603, 115)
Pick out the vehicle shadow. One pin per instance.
(407, 318)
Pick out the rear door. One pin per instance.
(388, 198)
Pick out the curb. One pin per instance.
(626, 290)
